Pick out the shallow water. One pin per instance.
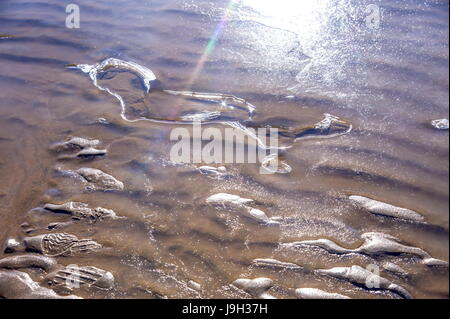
(293, 61)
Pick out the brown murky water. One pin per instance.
(295, 61)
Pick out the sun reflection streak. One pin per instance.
(299, 37)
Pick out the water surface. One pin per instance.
(293, 60)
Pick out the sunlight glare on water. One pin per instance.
(318, 39)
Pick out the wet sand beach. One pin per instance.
(93, 206)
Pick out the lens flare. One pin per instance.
(211, 44)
